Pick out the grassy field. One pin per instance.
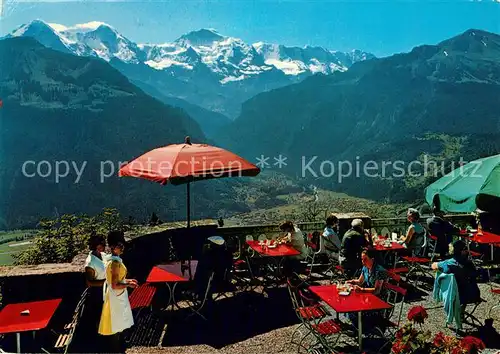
(12, 247)
(299, 206)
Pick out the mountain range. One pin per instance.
(202, 67)
(87, 93)
(79, 113)
(442, 100)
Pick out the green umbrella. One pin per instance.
(467, 187)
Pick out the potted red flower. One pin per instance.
(417, 314)
(410, 340)
(443, 344)
(471, 345)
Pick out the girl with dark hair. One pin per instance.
(464, 270)
(371, 280)
(86, 335)
(116, 313)
(372, 274)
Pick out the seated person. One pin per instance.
(352, 244)
(465, 273)
(443, 230)
(296, 238)
(416, 233)
(331, 240)
(372, 274)
(371, 280)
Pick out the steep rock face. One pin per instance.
(382, 109)
(63, 111)
(203, 67)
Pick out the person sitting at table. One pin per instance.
(296, 239)
(416, 233)
(371, 280)
(86, 338)
(352, 244)
(331, 240)
(443, 230)
(116, 314)
(465, 273)
(372, 274)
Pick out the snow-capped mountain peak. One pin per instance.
(43, 33)
(97, 39)
(82, 27)
(225, 58)
(202, 37)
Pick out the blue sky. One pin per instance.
(380, 27)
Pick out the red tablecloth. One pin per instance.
(354, 302)
(486, 238)
(395, 247)
(171, 273)
(282, 250)
(11, 320)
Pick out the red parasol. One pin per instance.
(186, 163)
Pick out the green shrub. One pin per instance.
(60, 240)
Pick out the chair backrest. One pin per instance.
(393, 292)
(142, 296)
(77, 314)
(305, 299)
(393, 276)
(320, 244)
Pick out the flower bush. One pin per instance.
(410, 340)
(471, 345)
(417, 314)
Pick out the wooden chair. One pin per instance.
(304, 307)
(387, 326)
(142, 297)
(64, 339)
(197, 302)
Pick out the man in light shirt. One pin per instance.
(331, 241)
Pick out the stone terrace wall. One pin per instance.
(25, 283)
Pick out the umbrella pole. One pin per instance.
(188, 201)
(188, 194)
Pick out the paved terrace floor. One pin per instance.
(252, 323)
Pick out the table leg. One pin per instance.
(172, 296)
(18, 339)
(360, 330)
